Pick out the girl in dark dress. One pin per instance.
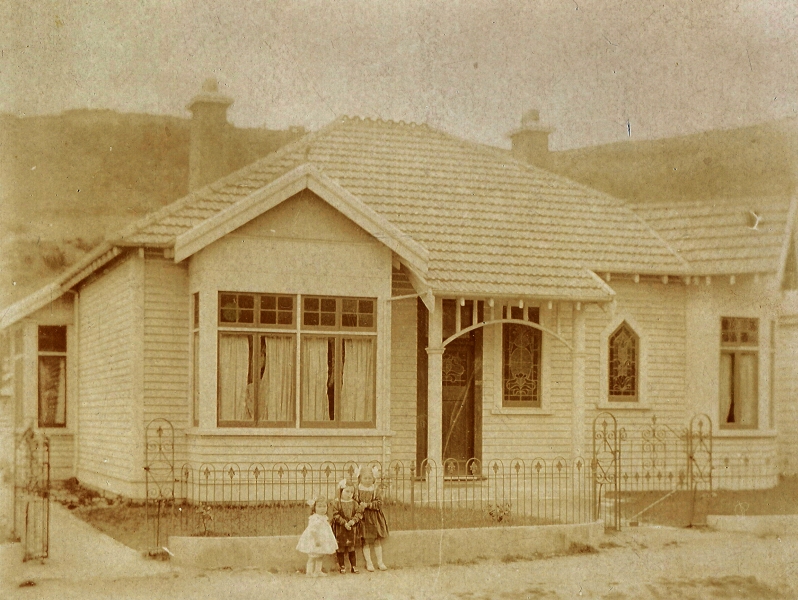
(346, 527)
(375, 528)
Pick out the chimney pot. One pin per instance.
(531, 140)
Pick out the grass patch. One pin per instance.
(579, 548)
(136, 524)
(676, 510)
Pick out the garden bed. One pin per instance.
(134, 524)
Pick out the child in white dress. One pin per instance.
(318, 539)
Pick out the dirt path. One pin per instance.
(636, 564)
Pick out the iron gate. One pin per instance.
(32, 494)
(639, 467)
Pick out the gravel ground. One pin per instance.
(644, 563)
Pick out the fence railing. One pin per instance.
(260, 499)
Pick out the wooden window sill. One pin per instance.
(286, 432)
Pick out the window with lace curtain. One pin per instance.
(52, 351)
(258, 380)
(739, 381)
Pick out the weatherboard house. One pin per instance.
(385, 291)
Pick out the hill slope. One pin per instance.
(68, 180)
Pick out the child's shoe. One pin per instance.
(342, 570)
(382, 567)
(355, 570)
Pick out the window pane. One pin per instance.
(738, 331)
(268, 303)
(285, 318)
(348, 320)
(227, 308)
(311, 318)
(285, 303)
(358, 380)
(328, 305)
(727, 388)
(623, 364)
(277, 373)
(52, 338)
(521, 364)
(52, 391)
(268, 317)
(235, 378)
(312, 304)
(318, 378)
(746, 396)
(328, 319)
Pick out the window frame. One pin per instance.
(297, 330)
(623, 398)
(737, 349)
(40, 354)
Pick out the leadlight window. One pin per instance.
(739, 379)
(52, 355)
(624, 348)
(521, 358)
(258, 380)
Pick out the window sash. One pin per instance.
(265, 400)
(338, 381)
(52, 390)
(623, 368)
(521, 365)
(739, 390)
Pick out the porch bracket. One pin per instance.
(516, 321)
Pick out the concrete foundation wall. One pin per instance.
(401, 549)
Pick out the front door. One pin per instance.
(458, 404)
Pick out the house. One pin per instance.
(384, 291)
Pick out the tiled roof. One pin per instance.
(717, 236)
(491, 224)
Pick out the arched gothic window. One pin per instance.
(624, 349)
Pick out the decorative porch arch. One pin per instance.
(470, 328)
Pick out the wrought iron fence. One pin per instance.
(633, 471)
(262, 499)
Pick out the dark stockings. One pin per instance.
(352, 559)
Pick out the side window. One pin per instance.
(623, 381)
(52, 353)
(739, 381)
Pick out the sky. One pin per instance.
(599, 71)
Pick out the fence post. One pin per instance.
(413, 495)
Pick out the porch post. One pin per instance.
(578, 381)
(435, 385)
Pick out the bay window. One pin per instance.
(264, 337)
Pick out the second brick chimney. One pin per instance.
(208, 159)
(531, 140)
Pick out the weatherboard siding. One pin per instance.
(106, 434)
(786, 385)
(166, 348)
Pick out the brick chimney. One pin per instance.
(531, 140)
(209, 131)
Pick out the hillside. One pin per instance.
(752, 161)
(68, 180)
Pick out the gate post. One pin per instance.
(32, 494)
(699, 463)
(159, 476)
